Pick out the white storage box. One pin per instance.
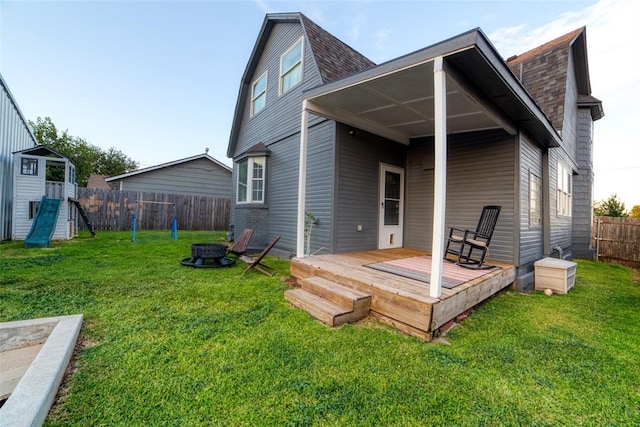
(555, 274)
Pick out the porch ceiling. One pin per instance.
(400, 105)
(396, 99)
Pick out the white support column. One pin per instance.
(302, 180)
(440, 176)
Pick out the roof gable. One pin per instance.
(543, 72)
(169, 164)
(333, 59)
(41, 151)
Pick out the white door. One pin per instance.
(391, 206)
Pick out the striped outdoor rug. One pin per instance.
(419, 268)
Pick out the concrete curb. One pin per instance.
(32, 398)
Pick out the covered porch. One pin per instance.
(403, 302)
(457, 87)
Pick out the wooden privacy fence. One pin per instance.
(617, 239)
(114, 210)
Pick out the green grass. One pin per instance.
(169, 345)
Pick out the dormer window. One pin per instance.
(291, 67)
(259, 94)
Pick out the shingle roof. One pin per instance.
(543, 72)
(97, 181)
(334, 58)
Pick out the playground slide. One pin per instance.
(44, 224)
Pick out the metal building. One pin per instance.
(15, 135)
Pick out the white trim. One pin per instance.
(440, 176)
(387, 233)
(253, 98)
(302, 179)
(251, 161)
(300, 42)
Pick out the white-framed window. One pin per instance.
(535, 200)
(291, 67)
(259, 94)
(29, 166)
(563, 197)
(251, 175)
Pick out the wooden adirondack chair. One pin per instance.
(462, 243)
(241, 244)
(255, 262)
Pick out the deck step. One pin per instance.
(352, 299)
(327, 311)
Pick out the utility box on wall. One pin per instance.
(556, 274)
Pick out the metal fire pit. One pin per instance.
(209, 255)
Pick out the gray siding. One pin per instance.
(560, 226)
(570, 119)
(358, 168)
(419, 197)
(530, 236)
(14, 136)
(277, 126)
(199, 177)
(279, 215)
(281, 116)
(480, 171)
(583, 188)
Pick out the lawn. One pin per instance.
(164, 344)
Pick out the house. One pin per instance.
(199, 175)
(505, 133)
(39, 172)
(98, 181)
(15, 135)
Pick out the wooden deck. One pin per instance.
(395, 300)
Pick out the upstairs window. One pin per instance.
(251, 175)
(563, 198)
(259, 94)
(29, 166)
(291, 67)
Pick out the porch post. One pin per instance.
(302, 180)
(440, 175)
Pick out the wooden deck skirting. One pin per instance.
(398, 301)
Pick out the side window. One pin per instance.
(251, 175)
(535, 200)
(33, 209)
(291, 67)
(29, 166)
(259, 94)
(563, 199)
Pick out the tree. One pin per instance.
(635, 212)
(610, 207)
(86, 157)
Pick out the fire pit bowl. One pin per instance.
(208, 255)
(208, 250)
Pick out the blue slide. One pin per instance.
(44, 224)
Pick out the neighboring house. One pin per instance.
(390, 155)
(15, 135)
(38, 172)
(200, 175)
(97, 181)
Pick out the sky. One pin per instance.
(159, 80)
